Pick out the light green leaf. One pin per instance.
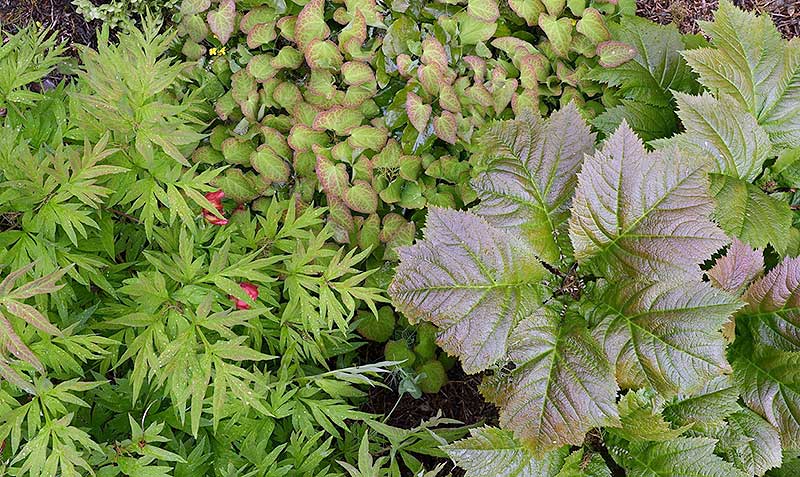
(746, 212)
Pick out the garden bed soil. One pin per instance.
(685, 13)
(58, 15)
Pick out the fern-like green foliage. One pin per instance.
(25, 58)
(566, 291)
(137, 338)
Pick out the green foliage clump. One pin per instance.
(595, 291)
(130, 343)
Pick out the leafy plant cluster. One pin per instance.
(120, 13)
(150, 325)
(634, 310)
(377, 104)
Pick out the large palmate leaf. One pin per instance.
(666, 335)
(646, 83)
(562, 384)
(773, 307)
(475, 282)
(681, 457)
(746, 212)
(724, 132)
(492, 452)
(531, 178)
(750, 62)
(642, 213)
(770, 385)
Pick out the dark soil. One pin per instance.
(785, 13)
(58, 15)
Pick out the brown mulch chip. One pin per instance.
(785, 13)
(57, 15)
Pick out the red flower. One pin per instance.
(251, 290)
(216, 200)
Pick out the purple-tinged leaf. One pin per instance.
(773, 306)
(361, 197)
(9, 281)
(14, 344)
(45, 284)
(740, 266)
(484, 10)
(562, 385)
(10, 375)
(643, 213)
(311, 24)
(665, 335)
(531, 177)
(471, 280)
(222, 21)
(32, 316)
(445, 127)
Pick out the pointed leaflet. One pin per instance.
(769, 380)
(636, 212)
(223, 20)
(561, 387)
(713, 402)
(641, 419)
(746, 212)
(418, 112)
(471, 280)
(740, 265)
(752, 63)
(531, 176)
(773, 306)
(492, 452)
(583, 464)
(751, 443)
(722, 131)
(681, 457)
(665, 335)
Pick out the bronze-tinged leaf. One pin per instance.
(418, 112)
(737, 268)
(14, 344)
(444, 126)
(32, 316)
(666, 335)
(531, 177)
(562, 385)
(639, 213)
(471, 280)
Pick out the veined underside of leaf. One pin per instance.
(665, 335)
(639, 213)
(531, 179)
(473, 281)
(773, 307)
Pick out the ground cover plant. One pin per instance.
(235, 219)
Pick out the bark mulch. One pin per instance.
(785, 13)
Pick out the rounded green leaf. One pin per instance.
(445, 127)
(484, 10)
(418, 112)
(615, 53)
(361, 197)
(270, 165)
